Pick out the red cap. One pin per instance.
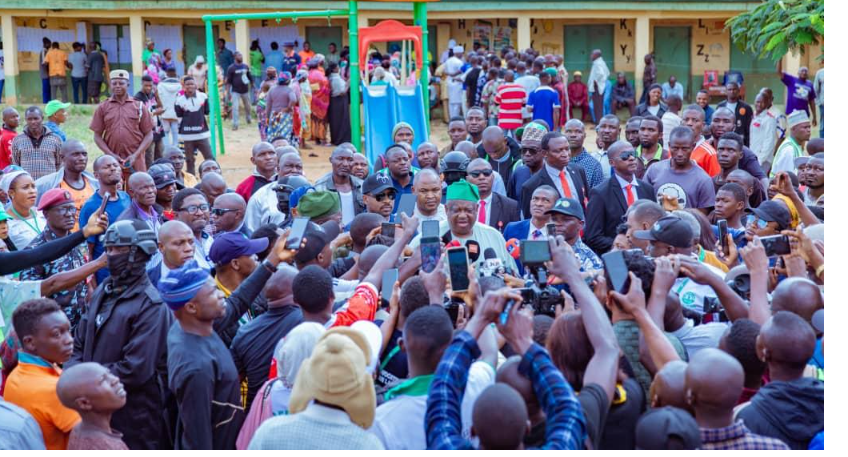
(54, 197)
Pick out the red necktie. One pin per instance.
(630, 198)
(481, 216)
(564, 183)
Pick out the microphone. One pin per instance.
(512, 246)
(491, 264)
(453, 244)
(473, 250)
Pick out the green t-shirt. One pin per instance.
(256, 62)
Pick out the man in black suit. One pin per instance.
(743, 111)
(569, 180)
(494, 210)
(609, 201)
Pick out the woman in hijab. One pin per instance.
(320, 86)
(304, 108)
(339, 114)
(25, 223)
(280, 104)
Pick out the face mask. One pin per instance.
(125, 271)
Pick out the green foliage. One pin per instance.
(775, 27)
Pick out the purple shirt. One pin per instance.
(799, 94)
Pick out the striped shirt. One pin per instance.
(511, 98)
(38, 156)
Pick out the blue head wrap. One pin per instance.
(182, 284)
(297, 194)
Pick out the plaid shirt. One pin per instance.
(565, 428)
(594, 171)
(38, 156)
(738, 437)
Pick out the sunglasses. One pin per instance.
(752, 220)
(477, 173)
(221, 211)
(626, 155)
(191, 209)
(384, 196)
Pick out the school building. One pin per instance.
(687, 36)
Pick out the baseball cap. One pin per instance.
(231, 245)
(162, 174)
(317, 237)
(569, 207)
(54, 197)
(4, 216)
(53, 106)
(667, 428)
(376, 183)
(772, 211)
(671, 230)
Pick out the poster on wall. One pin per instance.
(503, 38)
(482, 34)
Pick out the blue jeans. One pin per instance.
(821, 119)
(2, 83)
(80, 84)
(45, 90)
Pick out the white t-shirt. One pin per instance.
(348, 213)
(654, 109)
(732, 106)
(692, 294)
(399, 423)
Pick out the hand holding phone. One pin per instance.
(776, 245)
(722, 236)
(387, 229)
(298, 231)
(105, 201)
(616, 269)
(458, 267)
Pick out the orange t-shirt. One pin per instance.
(32, 386)
(79, 196)
(706, 158)
(55, 60)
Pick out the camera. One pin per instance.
(713, 311)
(543, 300)
(536, 291)
(741, 285)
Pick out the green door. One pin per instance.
(321, 37)
(581, 40)
(194, 42)
(672, 46)
(758, 73)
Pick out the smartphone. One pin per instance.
(776, 245)
(551, 228)
(297, 232)
(722, 236)
(458, 266)
(616, 270)
(105, 202)
(534, 252)
(431, 247)
(388, 230)
(504, 317)
(390, 277)
(406, 206)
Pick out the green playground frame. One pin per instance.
(352, 13)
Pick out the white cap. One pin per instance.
(375, 341)
(797, 117)
(458, 49)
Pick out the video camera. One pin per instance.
(536, 291)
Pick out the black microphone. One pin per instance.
(473, 248)
(491, 264)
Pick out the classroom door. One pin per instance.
(581, 40)
(194, 42)
(672, 47)
(321, 37)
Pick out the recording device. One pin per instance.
(431, 248)
(103, 204)
(390, 277)
(722, 236)
(513, 248)
(504, 316)
(388, 230)
(491, 265)
(776, 245)
(453, 306)
(616, 270)
(458, 267)
(551, 228)
(473, 248)
(536, 291)
(406, 206)
(297, 232)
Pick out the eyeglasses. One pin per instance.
(477, 173)
(221, 211)
(65, 210)
(384, 196)
(191, 209)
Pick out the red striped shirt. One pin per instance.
(511, 98)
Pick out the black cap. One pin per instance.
(569, 207)
(162, 174)
(667, 428)
(773, 211)
(317, 236)
(671, 230)
(376, 183)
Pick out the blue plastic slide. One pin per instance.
(385, 106)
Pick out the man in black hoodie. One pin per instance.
(791, 406)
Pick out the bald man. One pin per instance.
(95, 393)
(254, 343)
(264, 159)
(342, 181)
(289, 164)
(213, 185)
(468, 148)
(142, 191)
(428, 156)
(669, 386)
(501, 151)
(227, 214)
(427, 188)
(791, 406)
(71, 177)
(508, 374)
(176, 247)
(714, 381)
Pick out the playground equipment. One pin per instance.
(352, 13)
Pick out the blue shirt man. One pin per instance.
(114, 208)
(544, 101)
(274, 58)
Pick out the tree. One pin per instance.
(775, 27)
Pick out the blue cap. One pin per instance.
(231, 245)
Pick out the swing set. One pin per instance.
(390, 32)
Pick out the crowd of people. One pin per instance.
(659, 289)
